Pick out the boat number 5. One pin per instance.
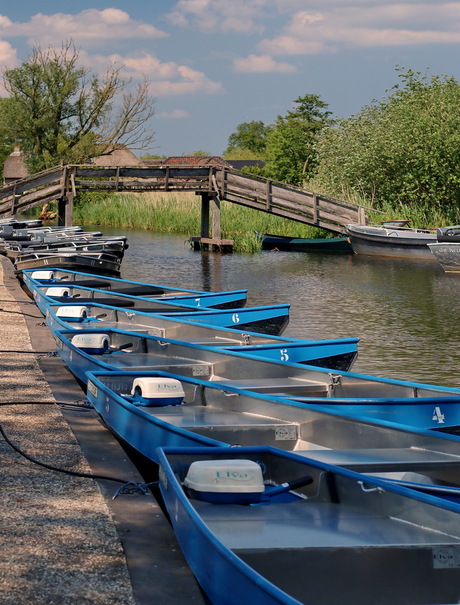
(284, 355)
(235, 318)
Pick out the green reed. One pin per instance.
(181, 213)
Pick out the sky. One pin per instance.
(214, 64)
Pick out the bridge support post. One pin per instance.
(65, 210)
(211, 202)
(204, 215)
(216, 232)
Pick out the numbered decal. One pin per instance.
(284, 355)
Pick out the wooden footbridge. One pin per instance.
(215, 184)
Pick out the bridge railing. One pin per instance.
(287, 200)
(62, 183)
(41, 188)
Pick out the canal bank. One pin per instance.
(64, 538)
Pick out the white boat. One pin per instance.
(392, 240)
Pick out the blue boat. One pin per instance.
(416, 412)
(67, 284)
(149, 409)
(338, 354)
(247, 370)
(120, 349)
(258, 525)
(271, 319)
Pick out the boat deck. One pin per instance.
(381, 459)
(306, 524)
(231, 426)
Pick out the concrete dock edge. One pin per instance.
(87, 547)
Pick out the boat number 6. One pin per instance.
(284, 355)
(235, 318)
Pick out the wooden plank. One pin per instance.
(215, 230)
(331, 226)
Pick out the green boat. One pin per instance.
(337, 245)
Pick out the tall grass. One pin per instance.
(181, 213)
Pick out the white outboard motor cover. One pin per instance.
(73, 313)
(150, 391)
(229, 481)
(58, 292)
(91, 343)
(45, 275)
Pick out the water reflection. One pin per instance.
(405, 313)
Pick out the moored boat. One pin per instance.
(101, 263)
(210, 328)
(448, 255)
(144, 351)
(270, 319)
(336, 245)
(391, 241)
(85, 286)
(155, 408)
(274, 374)
(306, 533)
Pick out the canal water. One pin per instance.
(405, 313)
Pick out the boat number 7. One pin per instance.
(284, 355)
(198, 301)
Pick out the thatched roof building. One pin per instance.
(120, 156)
(14, 167)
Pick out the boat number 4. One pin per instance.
(438, 415)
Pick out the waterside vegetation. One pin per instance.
(181, 212)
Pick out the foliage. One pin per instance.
(290, 151)
(152, 156)
(240, 153)
(180, 213)
(6, 143)
(57, 111)
(249, 136)
(401, 152)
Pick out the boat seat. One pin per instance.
(232, 427)
(289, 388)
(382, 459)
(140, 362)
(111, 302)
(164, 309)
(89, 283)
(138, 290)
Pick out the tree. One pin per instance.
(403, 151)
(290, 151)
(250, 136)
(6, 143)
(60, 112)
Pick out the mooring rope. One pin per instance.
(127, 487)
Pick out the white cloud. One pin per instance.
(261, 64)
(167, 78)
(341, 24)
(240, 16)
(8, 59)
(89, 27)
(175, 114)
(8, 56)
